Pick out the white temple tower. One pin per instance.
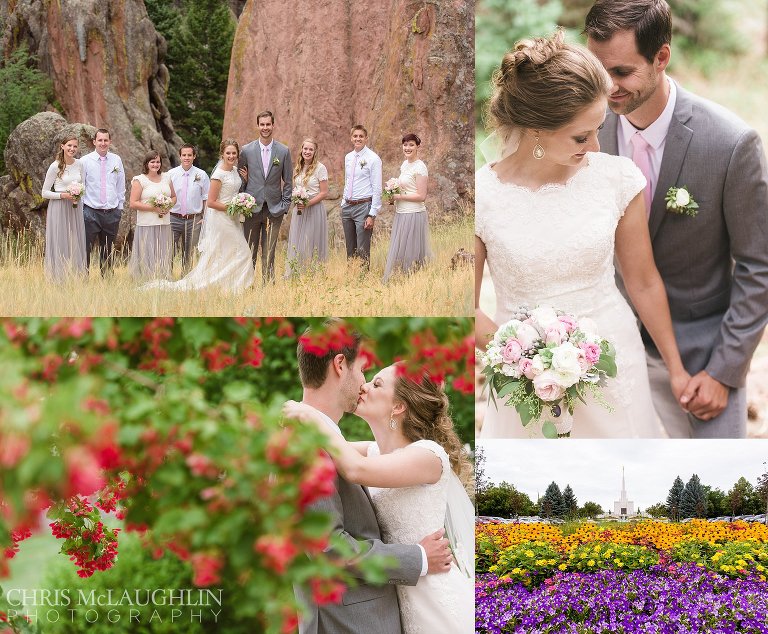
(622, 507)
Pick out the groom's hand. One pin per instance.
(704, 397)
(438, 552)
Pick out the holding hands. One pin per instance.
(704, 396)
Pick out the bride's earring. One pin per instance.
(392, 424)
(538, 151)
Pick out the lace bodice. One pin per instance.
(313, 183)
(406, 515)
(149, 189)
(408, 173)
(230, 183)
(555, 245)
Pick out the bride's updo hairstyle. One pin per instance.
(543, 83)
(228, 142)
(426, 418)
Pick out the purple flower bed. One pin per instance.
(663, 599)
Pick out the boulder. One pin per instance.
(396, 66)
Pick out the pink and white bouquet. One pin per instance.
(542, 361)
(241, 205)
(75, 189)
(162, 202)
(299, 195)
(391, 187)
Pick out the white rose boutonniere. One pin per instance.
(115, 170)
(680, 201)
(363, 163)
(276, 161)
(197, 178)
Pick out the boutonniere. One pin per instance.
(680, 201)
(197, 178)
(363, 163)
(276, 161)
(115, 170)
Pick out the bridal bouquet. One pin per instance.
(299, 195)
(542, 361)
(391, 187)
(75, 190)
(161, 202)
(241, 204)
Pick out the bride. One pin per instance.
(413, 470)
(225, 258)
(550, 216)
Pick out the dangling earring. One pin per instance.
(538, 151)
(392, 424)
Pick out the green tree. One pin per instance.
(591, 510)
(739, 496)
(762, 491)
(570, 502)
(24, 91)
(552, 504)
(673, 499)
(657, 510)
(481, 482)
(717, 503)
(693, 502)
(504, 500)
(198, 62)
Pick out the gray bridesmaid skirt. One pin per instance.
(151, 253)
(307, 238)
(409, 243)
(64, 240)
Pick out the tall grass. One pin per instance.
(339, 287)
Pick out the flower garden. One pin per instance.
(648, 577)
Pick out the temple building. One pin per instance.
(623, 508)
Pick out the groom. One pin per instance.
(266, 167)
(714, 264)
(331, 385)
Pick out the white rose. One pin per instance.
(545, 316)
(682, 197)
(565, 364)
(526, 335)
(505, 331)
(547, 387)
(510, 370)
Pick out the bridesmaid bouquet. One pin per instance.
(299, 195)
(75, 190)
(161, 202)
(241, 204)
(542, 361)
(391, 187)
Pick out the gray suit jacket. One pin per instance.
(275, 187)
(364, 608)
(714, 265)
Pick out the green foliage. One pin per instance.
(528, 562)
(570, 502)
(693, 501)
(595, 556)
(503, 501)
(199, 46)
(486, 553)
(673, 499)
(591, 509)
(552, 504)
(657, 510)
(24, 91)
(692, 550)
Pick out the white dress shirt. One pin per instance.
(362, 178)
(198, 185)
(655, 134)
(333, 425)
(92, 181)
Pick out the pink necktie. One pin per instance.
(103, 160)
(265, 159)
(352, 180)
(183, 204)
(642, 159)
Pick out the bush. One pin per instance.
(602, 556)
(529, 562)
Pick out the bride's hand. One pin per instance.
(678, 382)
(301, 412)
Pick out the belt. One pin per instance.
(175, 215)
(359, 202)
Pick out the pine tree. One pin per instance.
(693, 502)
(198, 62)
(673, 500)
(570, 502)
(552, 505)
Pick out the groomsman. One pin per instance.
(266, 168)
(103, 199)
(191, 185)
(362, 195)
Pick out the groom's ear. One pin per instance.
(663, 57)
(338, 363)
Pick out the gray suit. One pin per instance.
(364, 608)
(272, 192)
(714, 265)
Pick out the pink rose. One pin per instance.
(584, 364)
(591, 352)
(555, 334)
(547, 386)
(568, 322)
(511, 351)
(526, 367)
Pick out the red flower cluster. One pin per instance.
(156, 333)
(206, 569)
(13, 447)
(318, 482)
(278, 448)
(252, 354)
(217, 357)
(71, 328)
(326, 591)
(439, 361)
(16, 334)
(277, 550)
(334, 338)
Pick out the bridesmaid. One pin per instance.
(151, 253)
(409, 245)
(64, 225)
(308, 234)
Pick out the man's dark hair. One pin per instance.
(649, 20)
(188, 146)
(314, 364)
(103, 131)
(265, 113)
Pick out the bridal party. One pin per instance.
(225, 226)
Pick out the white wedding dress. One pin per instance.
(443, 602)
(225, 258)
(555, 246)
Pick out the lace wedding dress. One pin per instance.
(555, 246)
(225, 258)
(438, 602)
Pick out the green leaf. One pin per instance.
(548, 429)
(507, 388)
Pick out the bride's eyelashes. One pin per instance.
(585, 139)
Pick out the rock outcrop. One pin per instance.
(395, 66)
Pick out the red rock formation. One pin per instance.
(396, 66)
